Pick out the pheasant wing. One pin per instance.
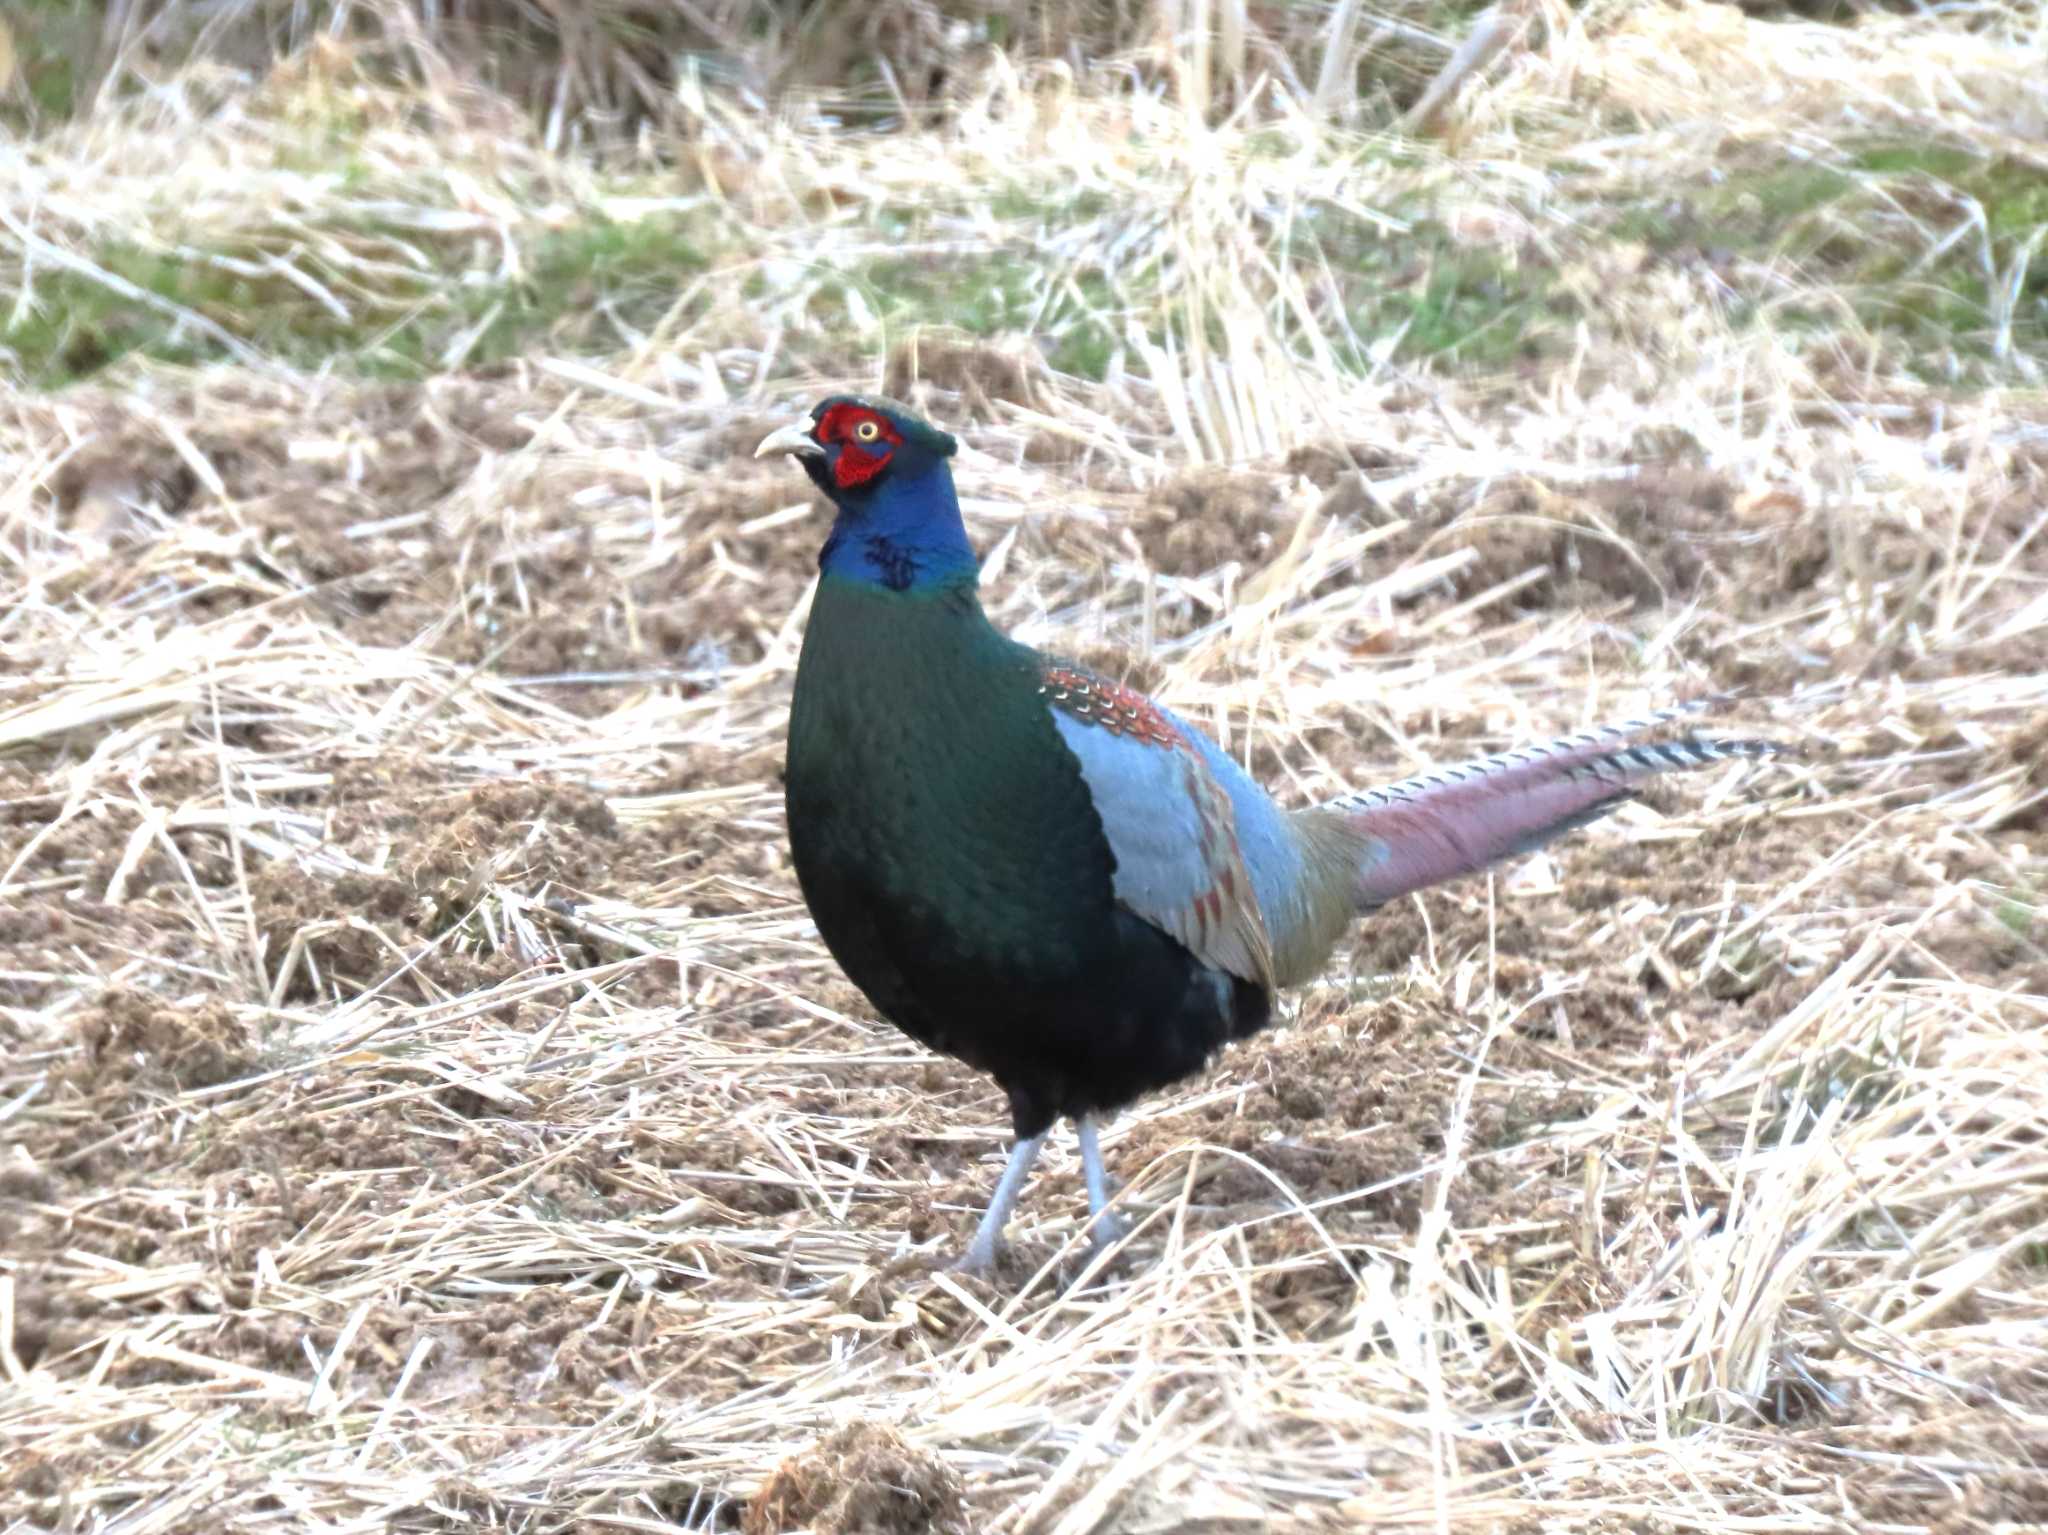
(1171, 824)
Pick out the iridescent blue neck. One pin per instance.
(904, 535)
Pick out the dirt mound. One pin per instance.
(131, 1033)
(862, 1479)
(1204, 519)
(975, 372)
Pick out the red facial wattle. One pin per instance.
(856, 467)
(866, 441)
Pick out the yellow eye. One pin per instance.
(868, 431)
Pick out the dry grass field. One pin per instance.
(424, 1103)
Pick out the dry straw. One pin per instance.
(425, 1106)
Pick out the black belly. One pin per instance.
(1081, 1015)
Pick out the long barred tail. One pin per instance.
(1454, 821)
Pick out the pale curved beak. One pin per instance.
(794, 438)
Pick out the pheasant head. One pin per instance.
(885, 472)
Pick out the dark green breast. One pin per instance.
(938, 823)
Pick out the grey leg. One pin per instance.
(981, 1253)
(1107, 1228)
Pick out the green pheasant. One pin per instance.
(1047, 875)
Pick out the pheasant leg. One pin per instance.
(1106, 1228)
(987, 1246)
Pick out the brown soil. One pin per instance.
(363, 531)
(859, 1480)
(130, 1033)
(445, 848)
(1203, 519)
(973, 373)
